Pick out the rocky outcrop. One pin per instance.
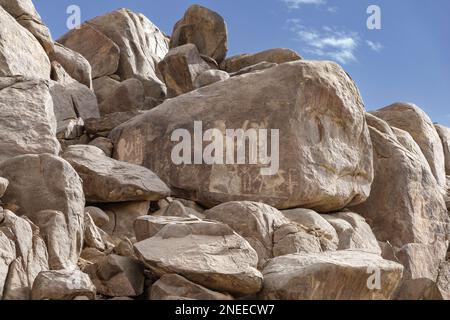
(338, 139)
(204, 28)
(128, 96)
(406, 207)
(27, 121)
(209, 77)
(412, 119)
(109, 180)
(444, 134)
(340, 275)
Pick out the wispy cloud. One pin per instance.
(296, 4)
(327, 42)
(375, 46)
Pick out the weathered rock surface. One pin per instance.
(353, 232)
(412, 119)
(443, 280)
(209, 77)
(74, 63)
(207, 253)
(265, 228)
(204, 28)
(176, 208)
(146, 227)
(92, 235)
(108, 122)
(62, 285)
(84, 101)
(175, 287)
(128, 96)
(27, 121)
(70, 129)
(338, 139)
(254, 68)
(444, 134)
(27, 260)
(142, 45)
(103, 87)
(99, 217)
(103, 144)
(180, 67)
(278, 56)
(109, 180)
(116, 276)
(405, 207)
(310, 219)
(46, 182)
(20, 53)
(339, 275)
(101, 52)
(123, 215)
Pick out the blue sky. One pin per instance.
(407, 60)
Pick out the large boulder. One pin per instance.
(142, 45)
(209, 77)
(243, 61)
(109, 180)
(101, 52)
(406, 207)
(25, 13)
(46, 182)
(412, 119)
(444, 134)
(62, 285)
(84, 100)
(264, 228)
(20, 52)
(27, 260)
(204, 28)
(179, 69)
(3, 185)
(338, 139)
(27, 120)
(339, 275)
(175, 287)
(74, 63)
(129, 96)
(104, 125)
(207, 253)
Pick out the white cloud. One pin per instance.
(327, 42)
(295, 4)
(375, 46)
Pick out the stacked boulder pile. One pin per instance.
(93, 207)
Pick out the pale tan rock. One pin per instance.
(20, 52)
(142, 45)
(444, 134)
(62, 285)
(278, 56)
(209, 77)
(70, 129)
(177, 209)
(146, 227)
(27, 120)
(60, 75)
(353, 232)
(46, 182)
(74, 63)
(7, 256)
(108, 122)
(443, 280)
(25, 13)
(314, 222)
(102, 53)
(103, 144)
(62, 102)
(92, 236)
(103, 87)
(3, 185)
(254, 68)
(123, 215)
(128, 96)
(406, 207)
(204, 28)
(99, 217)
(30, 256)
(54, 230)
(207, 253)
(265, 228)
(173, 285)
(180, 67)
(339, 275)
(412, 119)
(84, 101)
(338, 139)
(109, 180)
(116, 276)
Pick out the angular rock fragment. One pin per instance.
(209, 77)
